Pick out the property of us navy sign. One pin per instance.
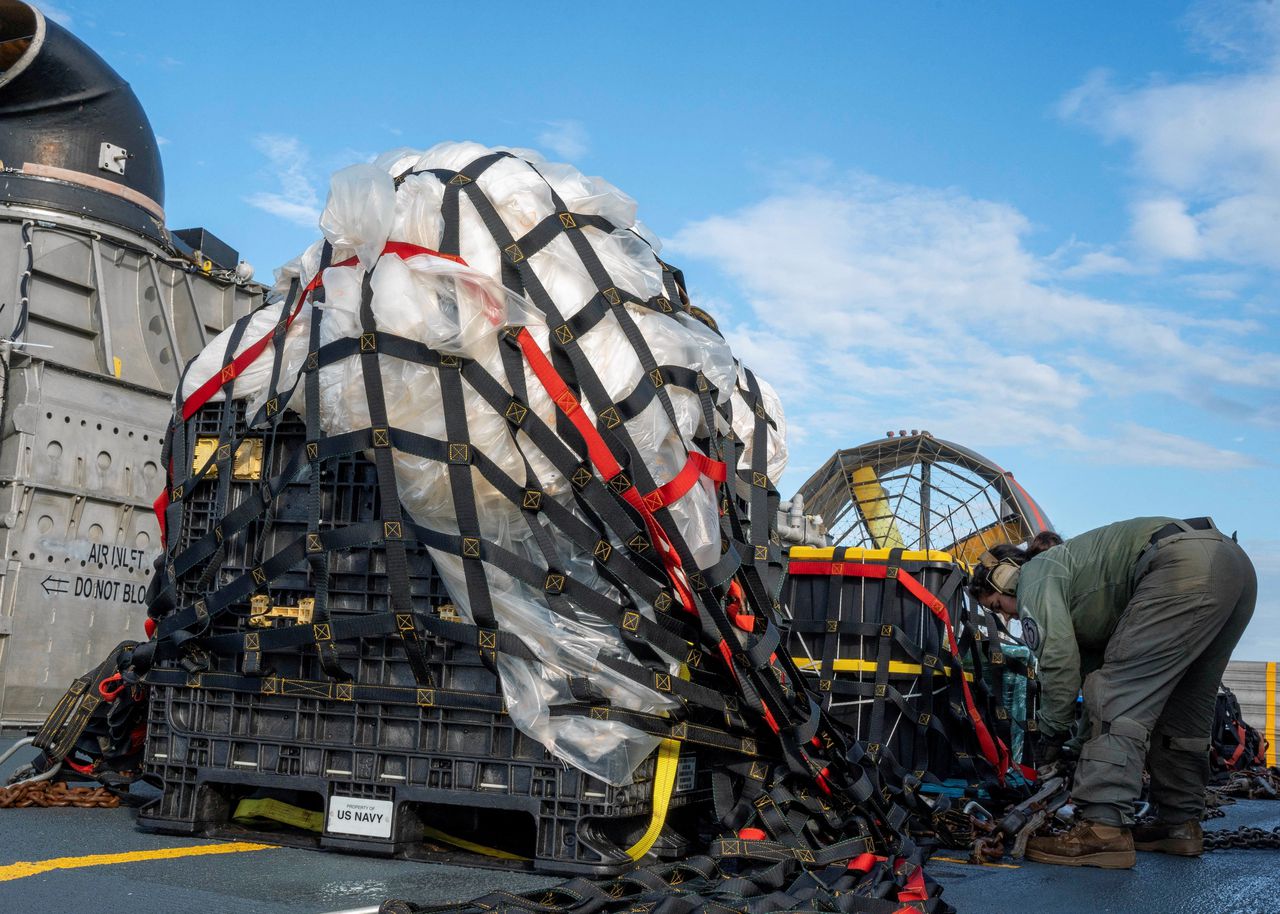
(360, 816)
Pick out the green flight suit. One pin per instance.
(1163, 618)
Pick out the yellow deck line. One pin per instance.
(1003, 866)
(23, 868)
(1271, 714)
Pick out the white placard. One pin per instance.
(360, 816)
(686, 773)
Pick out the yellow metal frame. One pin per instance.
(896, 667)
(870, 497)
(827, 554)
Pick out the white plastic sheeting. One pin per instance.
(462, 310)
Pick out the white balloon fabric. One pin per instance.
(462, 308)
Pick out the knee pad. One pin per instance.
(1125, 727)
(1197, 745)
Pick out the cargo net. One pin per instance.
(586, 464)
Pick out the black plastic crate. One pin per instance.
(841, 639)
(466, 772)
(469, 775)
(348, 494)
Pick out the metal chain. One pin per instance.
(1243, 838)
(56, 793)
(1251, 784)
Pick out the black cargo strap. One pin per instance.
(318, 560)
(736, 877)
(61, 730)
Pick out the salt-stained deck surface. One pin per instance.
(288, 881)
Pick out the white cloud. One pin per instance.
(1206, 150)
(297, 200)
(1217, 286)
(874, 305)
(1230, 31)
(1142, 446)
(567, 139)
(1163, 227)
(1098, 263)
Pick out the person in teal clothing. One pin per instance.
(1143, 613)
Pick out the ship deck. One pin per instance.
(51, 860)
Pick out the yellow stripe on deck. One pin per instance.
(1270, 726)
(1002, 866)
(23, 868)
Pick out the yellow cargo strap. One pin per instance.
(869, 666)
(278, 811)
(664, 782)
(874, 505)
(462, 843)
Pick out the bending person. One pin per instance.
(1147, 612)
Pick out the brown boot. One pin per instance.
(1086, 844)
(1186, 839)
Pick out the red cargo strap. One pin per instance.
(915, 889)
(86, 768)
(993, 750)
(159, 506)
(697, 466)
(232, 369)
(607, 466)
(864, 863)
(1235, 756)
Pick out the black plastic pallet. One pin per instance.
(470, 775)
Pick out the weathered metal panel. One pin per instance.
(79, 465)
(84, 400)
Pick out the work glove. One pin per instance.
(1051, 754)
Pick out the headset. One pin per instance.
(1002, 574)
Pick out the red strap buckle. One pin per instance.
(105, 687)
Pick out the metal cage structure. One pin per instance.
(917, 492)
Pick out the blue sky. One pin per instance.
(1046, 231)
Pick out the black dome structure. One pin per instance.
(73, 136)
